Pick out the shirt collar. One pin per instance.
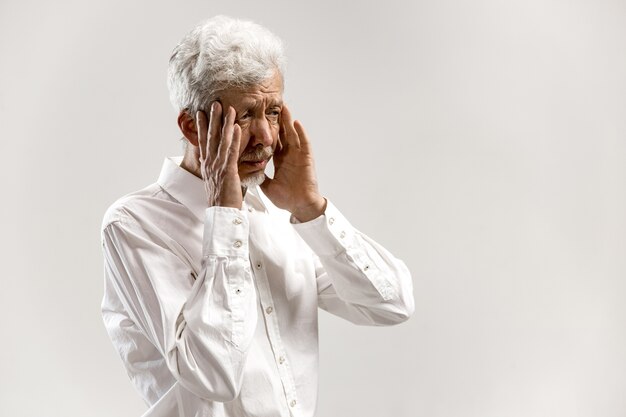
(189, 190)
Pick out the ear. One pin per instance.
(187, 125)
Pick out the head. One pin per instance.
(239, 64)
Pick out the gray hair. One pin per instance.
(221, 53)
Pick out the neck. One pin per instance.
(191, 160)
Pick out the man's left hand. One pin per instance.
(294, 186)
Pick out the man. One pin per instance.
(214, 274)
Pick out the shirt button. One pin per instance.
(236, 220)
(331, 220)
(238, 291)
(259, 265)
(366, 267)
(269, 310)
(292, 403)
(250, 209)
(237, 244)
(342, 235)
(281, 360)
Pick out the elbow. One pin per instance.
(396, 317)
(404, 304)
(401, 311)
(220, 389)
(386, 315)
(208, 377)
(405, 313)
(407, 309)
(226, 392)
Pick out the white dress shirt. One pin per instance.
(213, 310)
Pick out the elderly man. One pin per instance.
(214, 274)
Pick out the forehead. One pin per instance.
(269, 91)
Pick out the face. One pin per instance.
(258, 114)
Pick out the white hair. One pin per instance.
(221, 53)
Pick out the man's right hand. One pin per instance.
(219, 156)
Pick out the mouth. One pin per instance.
(256, 164)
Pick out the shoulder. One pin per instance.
(132, 206)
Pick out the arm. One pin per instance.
(202, 325)
(357, 278)
(203, 328)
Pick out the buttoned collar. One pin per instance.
(189, 190)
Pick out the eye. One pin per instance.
(274, 113)
(245, 116)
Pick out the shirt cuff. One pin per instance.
(329, 234)
(226, 231)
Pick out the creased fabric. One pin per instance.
(213, 310)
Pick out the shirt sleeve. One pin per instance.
(357, 278)
(203, 325)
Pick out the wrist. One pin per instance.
(310, 211)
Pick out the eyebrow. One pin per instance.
(254, 103)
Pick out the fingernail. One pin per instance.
(213, 105)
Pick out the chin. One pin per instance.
(253, 180)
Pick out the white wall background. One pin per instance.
(483, 142)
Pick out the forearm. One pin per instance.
(221, 316)
(356, 273)
(203, 328)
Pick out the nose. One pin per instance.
(260, 132)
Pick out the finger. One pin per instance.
(201, 130)
(233, 152)
(281, 134)
(227, 134)
(215, 126)
(291, 136)
(305, 144)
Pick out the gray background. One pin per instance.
(483, 142)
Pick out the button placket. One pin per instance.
(273, 332)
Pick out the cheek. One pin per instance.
(275, 134)
(245, 139)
